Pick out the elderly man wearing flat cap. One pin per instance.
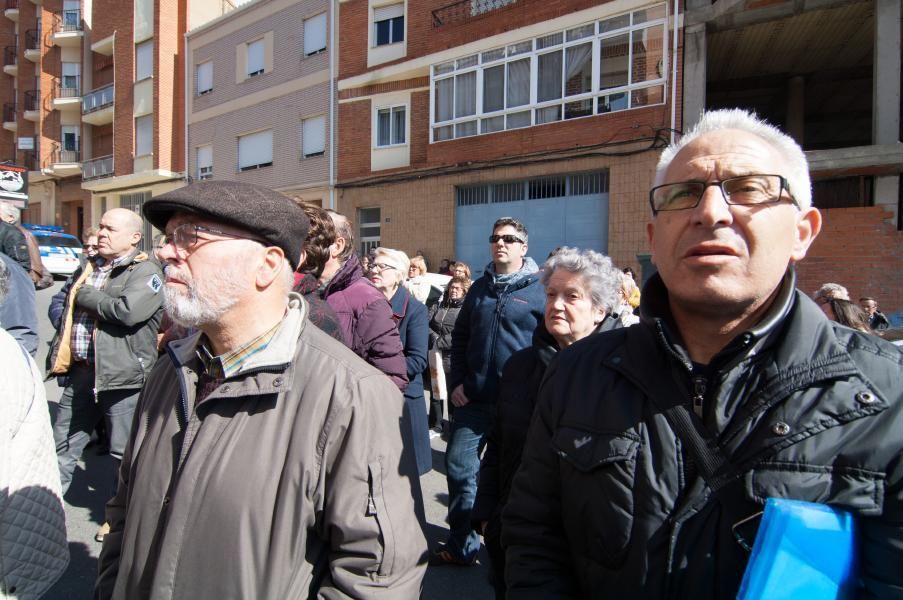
(266, 458)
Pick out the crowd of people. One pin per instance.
(268, 396)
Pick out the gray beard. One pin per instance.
(197, 306)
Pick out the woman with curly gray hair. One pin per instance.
(582, 289)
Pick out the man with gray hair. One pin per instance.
(266, 461)
(106, 343)
(654, 447)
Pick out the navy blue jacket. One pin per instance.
(18, 314)
(490, 328)
(413, 327)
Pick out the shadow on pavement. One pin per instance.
(92, 486)
(77, 583)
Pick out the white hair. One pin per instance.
(602, 278)
(793, 160)
(397, 259)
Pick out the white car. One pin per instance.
(60, 252)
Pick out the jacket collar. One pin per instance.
(347, 274)
(277, 354)
(400, 300)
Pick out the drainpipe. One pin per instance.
(674, 71)
(334, 15)
(187, 92)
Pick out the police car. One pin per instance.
(60, 252)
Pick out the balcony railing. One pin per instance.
(10, 55)
(95, 168)
(31, 99)
(466, 10)
(12, 4)
(33, 39)
(97, 99)
(9, 112)
(68, 20)
(67, 155)
(69, 89)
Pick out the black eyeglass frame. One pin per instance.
(167, 239)
(783, 186)
(508, 238)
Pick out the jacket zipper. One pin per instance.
(699, 389)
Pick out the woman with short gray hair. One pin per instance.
(582, 289)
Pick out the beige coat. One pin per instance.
(288, 481)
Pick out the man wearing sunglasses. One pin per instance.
(105, 343)
(499, 314)
(267, 458)
(653, 448)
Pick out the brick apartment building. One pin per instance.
(260, 96)
(96, 108)
(451, 115)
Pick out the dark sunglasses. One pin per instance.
(507, 238)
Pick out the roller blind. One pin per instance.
(315, 34)
(313, 136)
(255, 57)
(205, 77)
(255, 149)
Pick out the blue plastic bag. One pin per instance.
(803, 551)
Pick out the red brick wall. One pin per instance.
(861, 249)
(423, 38)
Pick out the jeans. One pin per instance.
(462, 464)
(79, 413)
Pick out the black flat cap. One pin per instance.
(266, 214)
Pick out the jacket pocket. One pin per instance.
(377, 508)
(597, 475)
(857, 490)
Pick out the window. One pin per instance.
(368, 232)
(69, 148)
(204, 78)
(144, 60)
(315, 35)
(144, 135)
(390, 126)
(255, 150)
(134, 202)
(388, 24)
(255, 57)
(595, 68)
(205, 162)
(71, 72)
(313, 137)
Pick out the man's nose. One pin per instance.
(712, 208)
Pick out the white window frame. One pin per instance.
(143, 60)
(389, 12)
(487, 59)
(204, 161)
(310, 149)
(202, 79)
(315, 36)
(264, 159)
(142, 147)
(251, 47)
(392, 131)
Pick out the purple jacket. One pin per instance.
(365, 317)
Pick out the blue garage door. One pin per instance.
(562, 210)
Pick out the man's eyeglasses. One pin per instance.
(91, 246)
(746, 190)
(381, 267)
(507, 238)
(184, 237)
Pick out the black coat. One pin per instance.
(442, 322)
(608, 502)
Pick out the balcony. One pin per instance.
(65, 161)
(11, 10)
(11, 61)
(465, 10)
(67, 96)
(32, 105)
(96, 168)
(33, 45)
(68, 30)
(9, 117)
(97, 107)
(104, 46)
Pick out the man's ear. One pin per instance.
(268, 271)
(136, 238)
(336, 249)
(807, 229)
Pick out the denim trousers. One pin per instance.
(469, 427)
(78, 414)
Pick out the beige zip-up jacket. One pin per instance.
(288, 481)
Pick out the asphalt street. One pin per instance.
(87, 495)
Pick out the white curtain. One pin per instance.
(445, 99)
(518, 82)
(579, 76)
(493, 88)
(466, 95)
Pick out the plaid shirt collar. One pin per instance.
(228, 364)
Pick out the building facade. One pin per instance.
(96, 112)
(554, 112)
(260, 95)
